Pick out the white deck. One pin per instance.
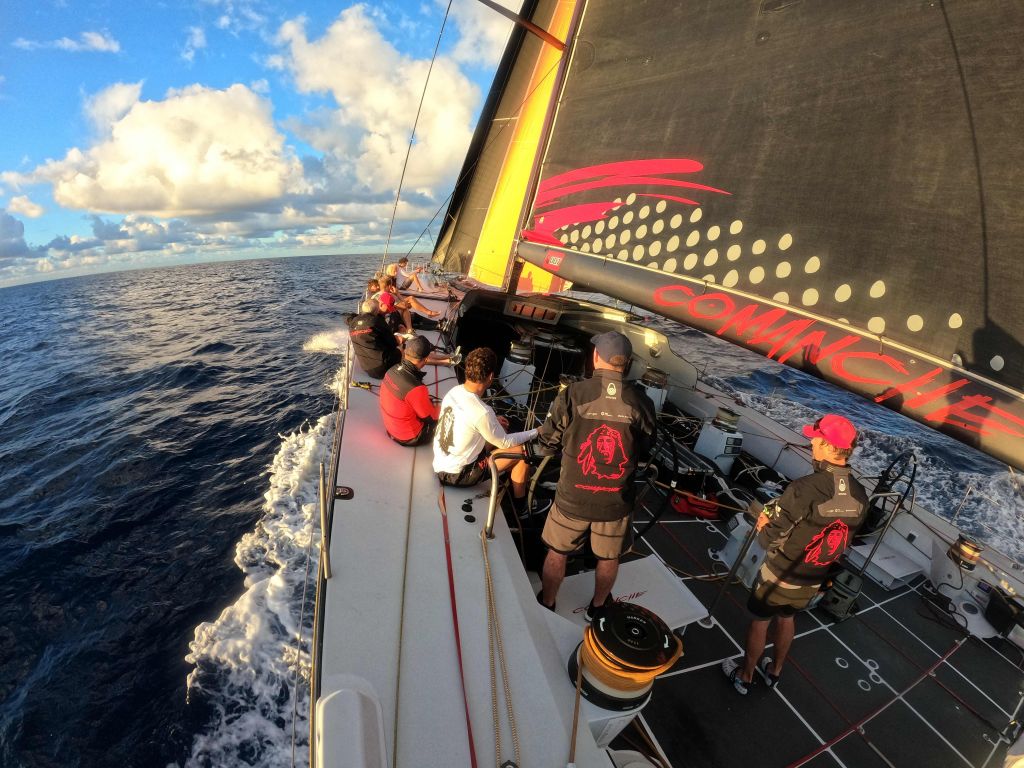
(388, 620)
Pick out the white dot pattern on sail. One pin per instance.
(575, 236)
(714, 232)
(627, 217)
(613, 222)
(695, 216)
(877, 289)
(709, 278)
(734, 252)
(843, 293)
(758, 247)
(997, 363)
(676, 221)
(645, 212)
(731, 278)
(876, 324)
(670, 265)
(586, 232)
(690, 261)
(661, 206)
(658, 226)
(810, 297)
(625, 236)
(756, 275)
(783, 268)
(655, 248)
(622, 255)
(955, 320)
(585, 248)
(599, 226)
(641, 232)
(652, 265)
(782, 296)
(638, 252)
(564, 239)
(915, 323)
(736, 227)
(609, 241)
(598, 245)
(631, 198)
(711, 258)
(813, 265)
(785, 241)
(693, 238)
(673, 244)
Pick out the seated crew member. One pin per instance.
(405, 406)
(804, 534)
(405, 276)
(391, 315)
(468, 427)
(405, 303)
(603, 426)
(373, 341)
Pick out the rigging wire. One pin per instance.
(412, 136)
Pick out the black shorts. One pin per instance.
(769, 598)
(425, 435)
(471, 474)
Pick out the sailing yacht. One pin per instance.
(832, 185)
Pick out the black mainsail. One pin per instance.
(830, 184)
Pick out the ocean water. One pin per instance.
(160, 437)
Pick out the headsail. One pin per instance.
(837, 181)
(482, 222)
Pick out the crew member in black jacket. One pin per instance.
(374, 343)
(603, 426)
(804, 534)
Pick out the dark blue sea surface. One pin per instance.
(139, 413)
(160, 433)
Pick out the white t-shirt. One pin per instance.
(465, 426)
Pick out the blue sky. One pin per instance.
(158, 133)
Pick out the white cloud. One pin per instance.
(106, 108)
(22, 205)
(199, 151)
(196, 41)
(377, 90)
(100, 42)
(483, 32)
(12, 237)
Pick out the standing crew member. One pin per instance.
(409, 415)
(804, 534)
(603, 426)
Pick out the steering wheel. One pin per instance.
(887, 499)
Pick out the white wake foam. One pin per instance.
(328, 342)
(246, 660)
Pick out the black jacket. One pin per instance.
(374, 343)
(603, 426)
(816, 522)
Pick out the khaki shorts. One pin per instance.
(566, 535)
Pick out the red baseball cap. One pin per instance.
(387, 301)
(834, 429)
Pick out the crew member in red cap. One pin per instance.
(804, 534)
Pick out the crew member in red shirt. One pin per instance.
(405, 405)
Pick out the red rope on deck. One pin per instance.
(455, 623)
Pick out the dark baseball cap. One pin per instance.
(418, 347)
(611, 345)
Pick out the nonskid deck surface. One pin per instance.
(894, 669)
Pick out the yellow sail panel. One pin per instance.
(494, 249)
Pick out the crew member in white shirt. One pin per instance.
(468, 428)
